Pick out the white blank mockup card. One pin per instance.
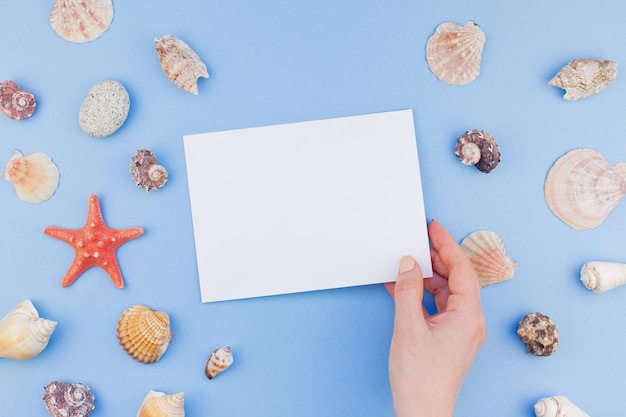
(306, 206)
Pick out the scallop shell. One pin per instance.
(144, 334)
(601, 277)
(35, 177)
(539, 334)
(220, 360)
(15, 103)
(145, 171)
(81, 20)
(454, 52)
(68, 400)
(159, 404)
(477, 147)
(23, 334)
(557, 406)
(486, 251)
(180, 63)
(584, 77)
(582, 188)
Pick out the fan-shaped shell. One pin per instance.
(23, 334)
(81, 20)
(557, 406)
(15, 103)
(454, 52)
(180, 63)
(582, 188)
(486, 251)
(35, 177)
(68, 400)
(144, 334)
(220, 360)
(584, 77)
(159, 404)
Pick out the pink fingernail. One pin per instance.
(407, 263)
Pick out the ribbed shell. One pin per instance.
(23, 334)
(220, 360)
(35, 177)
(180, 63)
(486, 251)
(557, 406)
(81, 20)
(144, 334)
(584, 77)
(582, 188)
(454, 52)
(159, 404)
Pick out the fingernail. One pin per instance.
(407, 263)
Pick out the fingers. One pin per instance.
(408, 294)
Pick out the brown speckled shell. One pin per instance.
(145, 171)
(15, 103)
(68, 400)
(539, 333)
(477, 147)
(220, 360)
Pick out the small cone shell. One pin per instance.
(35, 177)
(582, 188)
(486, 251)
(159, 404)
(220, 360)
(23, 334)
(601, 277)
(180, 63)
(584, 77)
(557, 406)
(144, 333)
(81, 20)
(454, 52)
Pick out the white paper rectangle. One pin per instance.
(305, 206)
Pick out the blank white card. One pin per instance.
(306, 206)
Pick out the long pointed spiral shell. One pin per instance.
(557, 406)
(81, 20)
(220, 360)
(601, 277)
(35, 177)
(159, 404)
(486, 251)
(68, 400)
(23, 334)
(144, 333)
(180, 63)
(584, 77)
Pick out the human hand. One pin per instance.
(431, 354)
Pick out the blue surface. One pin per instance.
(320, 353)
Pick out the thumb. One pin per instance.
(408, 294)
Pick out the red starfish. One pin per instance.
(95, 245)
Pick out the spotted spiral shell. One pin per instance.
(68, 400)
(15, 103)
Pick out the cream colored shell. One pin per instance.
(159, 404)
(144, 334)
(454, 52)
(23, 334)
(601, 277)
(486, 251)
(582, 188)
(220, 360)
(35, 177)
(557, 406)
(81, 20)
(180, 63)
(584, 77)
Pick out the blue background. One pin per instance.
(321, 353)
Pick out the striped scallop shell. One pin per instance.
(159, 404)
(144, 334)
(582, 188)
(35, 177)
(81, 20)
(454, 52)
(486, 251)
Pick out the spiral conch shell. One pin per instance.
(584, 77)
(601, 277)
(159, 404)
(23, 334)
(477, 147)
(144, 334)
(81, 20)
(582, 188)
(454, 52)
(486, 251)
(557, 406)
(145, 171)
(35, 177)
(15, 103)
(68, 400)
(180, 63)
(220, 360)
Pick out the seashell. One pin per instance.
(220, 360)
(159, 404)
(582, 188)
(601, 277)
(104, 109)
(557, 406)
(15, 103)
(584, 77)
(146, 172)
(539, 333)
(144, 334)
(454, 52)
(68, 400)
(486, 251)
(81, 20)
(180, 63)
(478, 148)
(35, 177)
(23, 334)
